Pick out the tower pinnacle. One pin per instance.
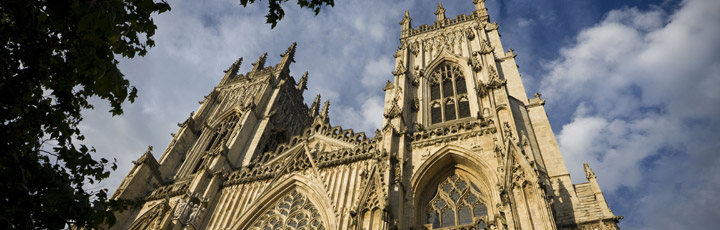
(405, 24)
(260, 63)
(479, 4)
(324, 113)
(440, 12)
(315, 107)
(302, 83)
(287, 58)
(231, 71)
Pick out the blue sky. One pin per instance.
(631, 86)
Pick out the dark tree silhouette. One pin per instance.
(56, 54)
(276, 13)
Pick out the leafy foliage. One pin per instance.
(276, 13)
(56, 54)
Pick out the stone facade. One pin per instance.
(461, 147)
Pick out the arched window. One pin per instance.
(292, 211)
(455, 203)
(220, 136)
(222, 133)
(448, 94)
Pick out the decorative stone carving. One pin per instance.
(394, 111)
(419, 74)
(400, 69)
(415, 48)
(293, 211)
(469, 34)
(388, 85)
(475, 62)
(485, 47)
(416, 104)
(589, 174)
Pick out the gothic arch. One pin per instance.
(235, 111)
(447, 57)
(306, 186)
(446, 161)
(154, 218)
(468, 78)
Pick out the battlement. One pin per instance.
(482, 16)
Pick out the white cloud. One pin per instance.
(643, 86)
(377, 72)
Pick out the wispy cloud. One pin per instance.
(643, 85)
(636, 93)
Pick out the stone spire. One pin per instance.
(324, 113)
(287, 58)
(234, 67)
(231, 71)
(302, 83)
(260, 63)
(315, 108)
(405, 24)
(440, 12)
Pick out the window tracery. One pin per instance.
(456, 202)
(222, 132)
(220, 136)
(293, 211)
(448, 94)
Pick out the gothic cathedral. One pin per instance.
(461, 147)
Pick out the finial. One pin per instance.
(537, 95)
(479, 4)
(440, 12)
(589, 174)
(302, 84)
(406, 26)
(406, 18)
(231, 72)
(234, 67)
(290, 53)
(314, 109)
(324, 113)
(260, 63)
(287, 58)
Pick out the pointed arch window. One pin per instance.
(448, 94)
(293, 211)
(222, 133)
(456, 203)
(219, 137)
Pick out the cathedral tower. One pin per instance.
(461, 147)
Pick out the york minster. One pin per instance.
(462, 146)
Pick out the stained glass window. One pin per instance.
(455, 203)
(448, 94)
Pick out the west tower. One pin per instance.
(461, 147)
